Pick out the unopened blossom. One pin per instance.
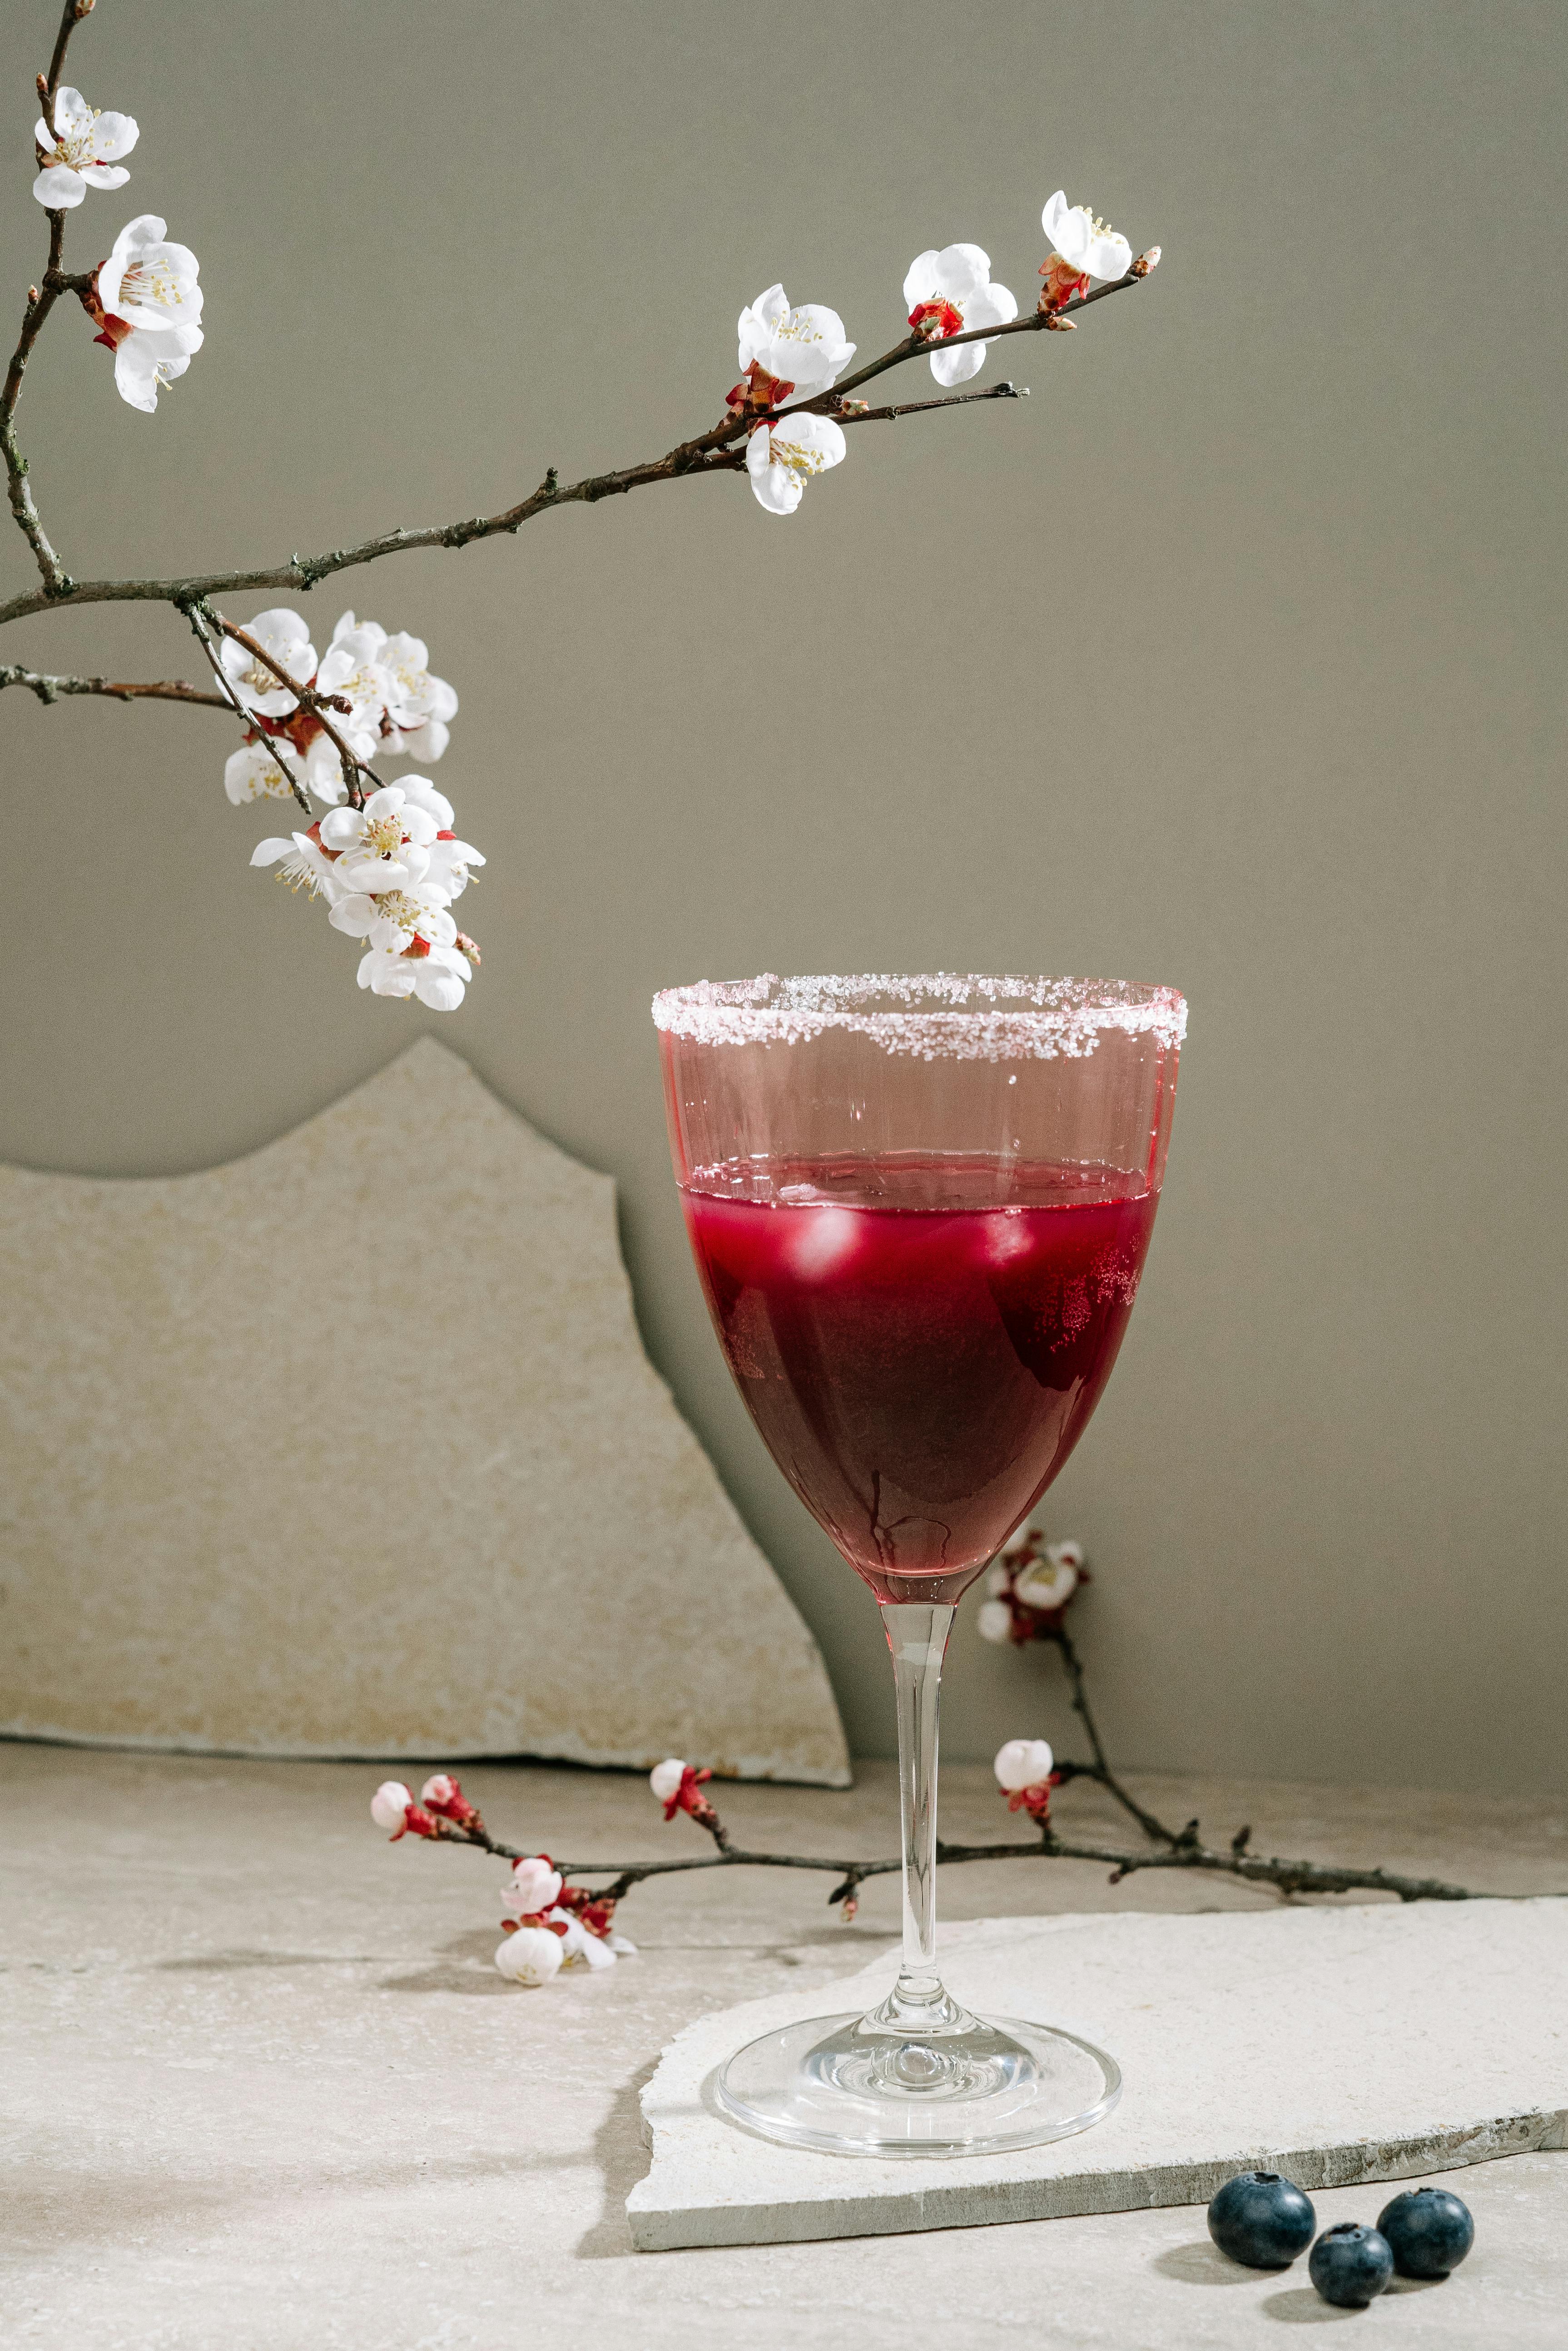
(284, 635)
(1024, 1763)
(994, 1621)
(389, 1805)
(1083, 242)
(533, 1887)
(439, 978)
(254, 772)
(80, 151)
(665, 1778)
(801, 346)
(782, 458)
(442, 1793)
(678, 1787)
(530, 1956)
(946, 293)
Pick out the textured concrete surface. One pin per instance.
(365, 1418)
(262, 2086)
(1320, 2042)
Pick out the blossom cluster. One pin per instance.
(797, 351)
(1029, 1588)
(390, 868)
(144, 300)
(545, 1925)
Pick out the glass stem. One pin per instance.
(917, 1637)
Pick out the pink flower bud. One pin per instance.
(532, 1887)
(1024, 1763)
(439, 1789)
(389, 1806)
(530, 1956)
(665, 1778)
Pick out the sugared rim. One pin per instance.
(961, 1016)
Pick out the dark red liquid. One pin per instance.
(921, 1342)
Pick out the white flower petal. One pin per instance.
(356, 914)
(960, 270)
(59, 188)
(920, 282)
(105, 175)
(956, 366)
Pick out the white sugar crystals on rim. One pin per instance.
(939, 1015)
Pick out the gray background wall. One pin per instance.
(1233, 659)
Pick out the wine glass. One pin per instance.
(919, 1207)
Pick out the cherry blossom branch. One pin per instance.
(709, 452)
(915, 407)
(41, 300)
(51, 689)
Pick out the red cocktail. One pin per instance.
(920, 1341)
(920, 1209)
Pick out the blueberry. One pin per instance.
(1262, 2219)
(1429, 2230)
(1349, 2263)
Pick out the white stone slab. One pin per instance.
(1367, 2043)
(350, 1447)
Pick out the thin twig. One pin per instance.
(75, 10)
(1151, 1825)
(51, 689)
(917, 407)
(194, 614)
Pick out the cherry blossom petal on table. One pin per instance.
(781, 458)
(948, 292)
(1085, 243)
(530, 1956)
(803, 344)
(80, 151)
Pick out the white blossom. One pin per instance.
(147, 281)
(418, 705)
(532, 1888)
(802, 345)
(393, 919)
(389, 1804)
(438, 978)
(79, 152)
(530, 1956)
(994, 1620)
(781, 458)
(1051, 1582)
(1024, 1763)
(147, 360)
(381, 846)
(950, 291)
(1085, 243)
(253, 773)
(665, 1778)
(439, 1789)
(285, 636)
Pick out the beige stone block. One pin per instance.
(352, 1449)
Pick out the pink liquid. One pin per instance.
(921, 1342)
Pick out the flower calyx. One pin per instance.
(678, 1787)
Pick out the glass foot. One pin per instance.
(854, 2085)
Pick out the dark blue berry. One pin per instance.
(1429, 2231)
(1349, 2263)
(1262, 2219)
